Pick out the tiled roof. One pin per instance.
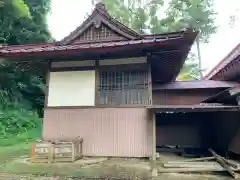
(53, 47)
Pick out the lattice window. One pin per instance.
(97, 34)
(124, 87)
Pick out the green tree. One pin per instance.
(22, 90)
(190, 70)
(197, 14)
(19, 6)
(159, 16)
(15, 29)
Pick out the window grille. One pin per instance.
(97, 34)
(124, 87)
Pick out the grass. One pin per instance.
(12, 148)
(16, 146)
(106, 168)
(28, 136)
(97, 170)
(10, 152)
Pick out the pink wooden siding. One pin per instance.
(122, 132)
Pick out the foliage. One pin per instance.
(16, 119)
(31, 135)
(19, 6)
(197, 14)
(190, 70)
(16, 30)
(21, 97)
(19, 86)
(22, 91)
(159, 16)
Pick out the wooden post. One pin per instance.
(51, 152)
(73, 151)
(149, 82)
(154, 136)
(238, 100)
(97, 83)
(33, 152)
(154, 168)
(81, 148)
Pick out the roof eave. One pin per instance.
(223, 63)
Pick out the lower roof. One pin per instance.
(206, 107)
(227, 66)
(227, 96)
(196, 84)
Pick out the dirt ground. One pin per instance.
(94, 168)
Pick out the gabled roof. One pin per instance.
(196, 84)
(100, 30)
(232, 60)
(183, 37)
(98, 17)
(101, 36)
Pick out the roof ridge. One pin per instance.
(218, 67)
(103, 16)
(105, 13)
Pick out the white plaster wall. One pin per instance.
(72, 88)
(135, 60)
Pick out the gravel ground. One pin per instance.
(94, 169)
(15, 177)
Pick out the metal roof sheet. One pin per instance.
(196, 84)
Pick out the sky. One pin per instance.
(66, 15)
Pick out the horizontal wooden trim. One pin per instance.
(123, 67)
(98, 106)
(103, 68)
(99, 41)
(86, 58)
(122, 61)
(83, 68)
(76, 63)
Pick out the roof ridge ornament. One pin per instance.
(101, 6)
(97, 22)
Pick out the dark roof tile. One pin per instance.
(39, 48)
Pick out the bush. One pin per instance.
(26, 137)
(16, 120)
